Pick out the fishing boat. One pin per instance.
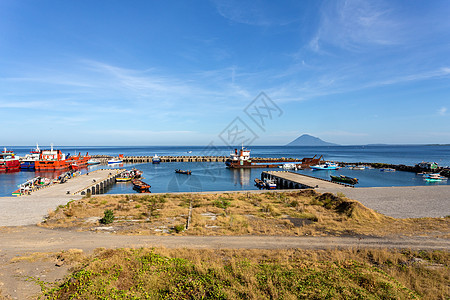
(187, 172)
(156, 159)
(344, 179)
(259, 183)
(325, 166)
(434, 177)
(135, 173)
(357, 167)
(387, 170)
(8, 161)
(54, 159)
(116, 160)
(124, 177)
(289, 166)
(27, 162)
(141, 186)
(270, 184)
(93, 162)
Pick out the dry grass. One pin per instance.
(257, 274)
(288, 214)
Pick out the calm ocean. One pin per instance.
(216, 177)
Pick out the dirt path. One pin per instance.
(19, 241)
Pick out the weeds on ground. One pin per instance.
(256, 274)
(291, 213)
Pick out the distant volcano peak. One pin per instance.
(309, 140)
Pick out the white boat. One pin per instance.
(434, 177)
(156, 159)
(270, 184)
(357, 167)
(326, 166)
(387, 170)
(93, 161)
(289, 166)
(115, 161)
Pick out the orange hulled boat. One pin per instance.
(55, 160)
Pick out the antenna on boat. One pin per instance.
(51, 146)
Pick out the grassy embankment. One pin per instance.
(251, 274)
(288, 214)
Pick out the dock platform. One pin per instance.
(291, 180)
(94, 182)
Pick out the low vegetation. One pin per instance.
(253, 274)
(290, 213)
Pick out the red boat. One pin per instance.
(8, 162)
(56, 160)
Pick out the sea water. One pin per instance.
(214, 176)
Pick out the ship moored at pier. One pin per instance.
(241, 159)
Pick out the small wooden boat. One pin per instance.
(187, 172)
(259, 183)
(387, 170)
(344, 179)
(141, 186)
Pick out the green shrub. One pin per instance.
(108, 217)
(179, 228)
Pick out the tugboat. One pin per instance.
(344, 179)
(156, 159)
(187, 172)
(141, 186)
(8, 161)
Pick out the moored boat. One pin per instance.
(27, 162)
(434, 177)
(156, 159)
(116, 160)
(241, 159)
(325, 166)
(141, 186)
(259, 183)
(387, 170)
(344, 179)
(270, 184)
(187, 172)
(93, 161)
(8, 161)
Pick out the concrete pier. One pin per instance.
(291, 180)
(95, 182)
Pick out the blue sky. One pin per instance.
(109, 72)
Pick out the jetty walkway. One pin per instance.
(291, 180)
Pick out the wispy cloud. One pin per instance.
(256, 12)
(352, 24)
(442, 111)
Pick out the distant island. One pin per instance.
(309, 140)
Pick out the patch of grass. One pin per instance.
(242, 213)
(253, 274)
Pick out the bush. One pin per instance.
(178, 228)
(108, 217)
